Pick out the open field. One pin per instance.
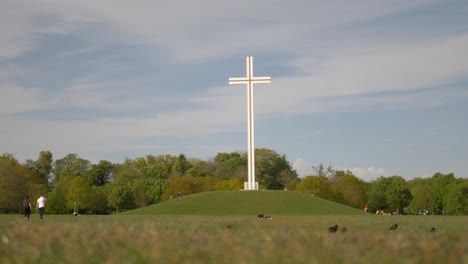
(232, 239)
(222, 227)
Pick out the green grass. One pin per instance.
(247, 203)
(232, 239)
(296, 234)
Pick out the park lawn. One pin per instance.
(232, 239)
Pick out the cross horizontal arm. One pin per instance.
(247, 80)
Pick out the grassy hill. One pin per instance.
(247, 203)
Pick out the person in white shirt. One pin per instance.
(41, 205)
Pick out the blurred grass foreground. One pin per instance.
(195, 229)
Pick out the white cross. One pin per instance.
(251, 184)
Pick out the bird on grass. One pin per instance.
(393, 227)
(433, 230)
(229, 226)
(344, 229)
(332, 229)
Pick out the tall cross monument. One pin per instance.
(249, 80)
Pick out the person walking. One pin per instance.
(27, 207)
(41, 205)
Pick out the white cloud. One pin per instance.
(368, 174)
(303, 167)
(197, 31)
(414, 66)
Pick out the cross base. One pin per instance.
(247, 187)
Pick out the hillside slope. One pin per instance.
(247, 203)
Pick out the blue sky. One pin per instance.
(377, 87)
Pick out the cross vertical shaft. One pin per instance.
(249, 80)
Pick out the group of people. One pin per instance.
(40, 204)
(261, 216)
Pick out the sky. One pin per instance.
(376, 87)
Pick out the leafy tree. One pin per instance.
(121, 197)
(376, 197)
(120, 194)
(456, 200)
(181, 165)
(159, 167)
(292, 185)
(439, 184)
(199, 168)
(230, 165)
(398, 195)
(99, 199)
(79, 194)
(422, 199)
(56, 202)
(100, 174)
(10, 159)
(315, 185)
(13, 184)
(231, 184)
(157, 189)
(389, 193)
(43, 166)
(270, 167)
(129, 171)
(189, 185)
(140, 189)
(70, 165)
(351, 189)
(156, 167)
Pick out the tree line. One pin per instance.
(73, 183)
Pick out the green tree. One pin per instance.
(352, 190)
(56, 202)
(159, 167)
(188, 185)
(439, 186)
(13, 184)
(398, 195)
(315, 185)
(157, 189)
(43, 166)
(140, 189)
(70, 165)
(230, 165)
(181, 166)
(120, 194)
(79, 195)
(121, 197)
(422, 199)
(376, 198)
(100, 174)
(10, 159)
(199, 168)
(230, 184)
(456, 200)
(389, 193)
(270, 167)
(99, 199)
